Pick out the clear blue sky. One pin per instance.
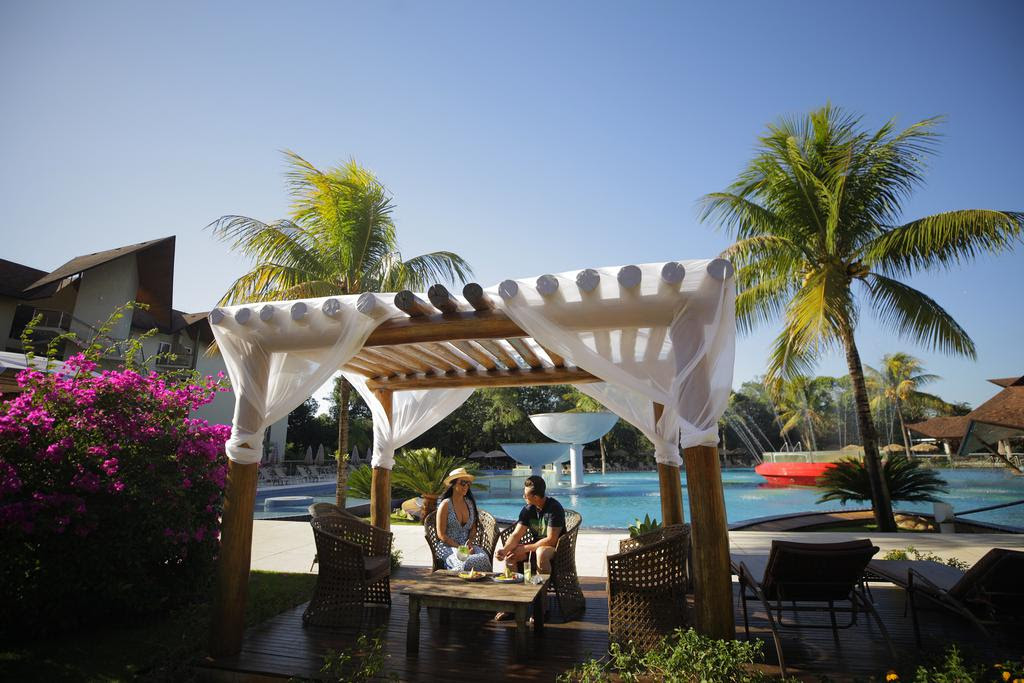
(530, 137)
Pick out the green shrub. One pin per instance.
(109, 494)
(683, 657)
(912, 553)
(366, 662)
(905, 477)
(648, 525)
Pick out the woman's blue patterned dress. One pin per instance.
(460, 534)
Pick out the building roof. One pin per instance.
(80, 264)
(1006, 381)
(14, 277)
(1000, 417)
(950, 427)
(156, 274)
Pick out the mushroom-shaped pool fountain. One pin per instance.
(536, 455)
(575, 429)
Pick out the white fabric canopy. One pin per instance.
(278, 354)
(412, 413)
(674, 344)
(671, 342)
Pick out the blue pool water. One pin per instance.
(614, 500)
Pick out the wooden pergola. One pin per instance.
(442, 341)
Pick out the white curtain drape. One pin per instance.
(269, 377)
(638, 410)
(674, 343)
(412, 413)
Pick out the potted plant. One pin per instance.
(423, 470)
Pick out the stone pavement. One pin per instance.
(288, 546)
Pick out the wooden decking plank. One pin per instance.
(473, 646)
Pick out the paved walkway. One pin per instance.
(288, 546)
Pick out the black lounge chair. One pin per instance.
(991, 593)
(811, 577)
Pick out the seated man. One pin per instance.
(545, 517)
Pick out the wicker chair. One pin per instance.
(355, 568)
(563, 580)
(486, 536)
(647, 582)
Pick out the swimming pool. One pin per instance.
(614, 500)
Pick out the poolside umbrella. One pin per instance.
(892, 448)
(320, 455)
(309, 456)
(477, 455)
(354, 459)
(924, 447)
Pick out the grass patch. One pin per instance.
(157, 648)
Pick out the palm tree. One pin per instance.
(340, 239)
(897, 384)
(906, 479)
(819, 209)
(801, 401)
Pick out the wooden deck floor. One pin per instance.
(473, 647)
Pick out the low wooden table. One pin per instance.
(446, 590)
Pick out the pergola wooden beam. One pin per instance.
(477, 353)
(463, 325)
(525, 352)
(477, 297)
(498, 351)
(491, 378)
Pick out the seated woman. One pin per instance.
(456, 523)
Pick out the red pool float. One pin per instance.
(792, 473)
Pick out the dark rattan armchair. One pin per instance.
(563, 580)
(355, 568)
(647, 582)
(486, 536)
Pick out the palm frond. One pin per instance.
(422, 271)
(944, 240)
(914, 315)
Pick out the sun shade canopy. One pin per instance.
(631, 336)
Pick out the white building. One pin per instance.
(80, 296)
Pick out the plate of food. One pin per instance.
(473, 575)
(509, 577)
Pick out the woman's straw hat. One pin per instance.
(458, 473)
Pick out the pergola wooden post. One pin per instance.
(669, 484)
(228, 622)
(380, 489)
(709, 535)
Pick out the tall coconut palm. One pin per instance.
(819, 210)
(801, 405)
(339, 239)
(897, 383)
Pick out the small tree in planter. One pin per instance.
(110, 493)
(423, 470)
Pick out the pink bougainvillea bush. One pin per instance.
(110, 495)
